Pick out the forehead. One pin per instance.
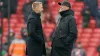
(37, 4)
(63, 6)
(40, 5)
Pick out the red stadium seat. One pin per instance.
(12, 25)
(5, 33)
(17, 29)
(5, 20)
(13, 21)
(97, 30)
(87, 30)
(92, 44)
(77, 8)
(79, 34)
(5, 29)
(71, 1)
(81, 4)
(43, 25)
(80, 22)
(21, 3)
(90, 51)
(97, 54)
(4, 39)
(96, 35)
(77, 13)
(84, 39)
(86, 35)
(92, 24)
(20, 25)
(80, 30)
(95, 40)
(13, 16)
(79, 26)
(85, 45)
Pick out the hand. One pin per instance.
(60, 10)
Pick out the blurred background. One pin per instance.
(13, 28)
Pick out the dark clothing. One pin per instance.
(13, 6)
(65, 35)
(93, 6)
(24, 34)
(35, 45)
(98, 48)
(11, 38)
(25, 38)
(86, 17)
(79, 0)
(27, 9)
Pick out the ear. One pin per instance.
(32, 6)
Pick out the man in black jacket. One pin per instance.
(66, 32)
(35, 43)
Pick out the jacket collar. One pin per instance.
(66, 13)
(36, 14)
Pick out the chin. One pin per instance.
(62, 10)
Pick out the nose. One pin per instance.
(42, 9)
(60, 6)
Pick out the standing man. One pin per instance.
(66, 32)
(36, 43)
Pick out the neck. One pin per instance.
(65, 13)
(36, 11)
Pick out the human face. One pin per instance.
(11, 34)
(63, 8)
(39, 8)
(79, 46)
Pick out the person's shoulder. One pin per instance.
(23, 41)
(74, 50)
(83, 49)
(31, 17)
(14, 41)
(71, 17)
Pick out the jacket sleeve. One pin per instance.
(31, 30)
(73, 31)
(73, 52)
(84, 53)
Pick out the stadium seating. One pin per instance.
(90, 37)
